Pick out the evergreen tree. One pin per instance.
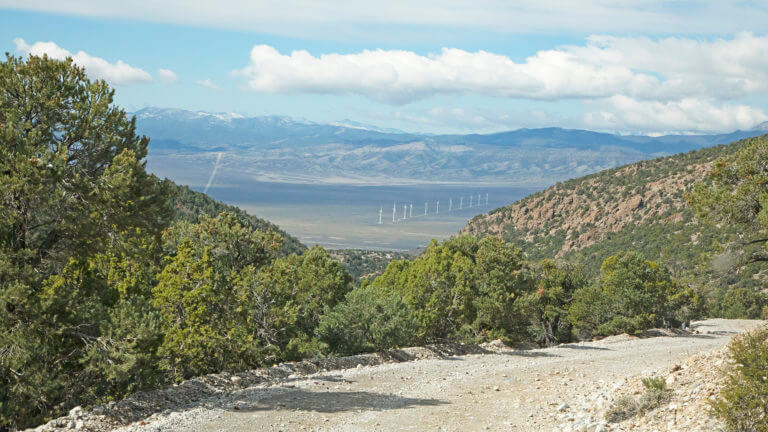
(736, 192)
(632, 294)
(74, 194)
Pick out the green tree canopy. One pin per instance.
(205, 311)
(463, 287)
(546, 307)
(737, 191)
(79, 223)
(289, 297)
(632, 294)
(71, 169)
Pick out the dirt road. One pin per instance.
(509, 390)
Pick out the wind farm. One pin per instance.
(382, 217)
(476, 203)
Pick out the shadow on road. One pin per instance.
(527, 353)
(680, 333)
(326, 402)
(582, 347)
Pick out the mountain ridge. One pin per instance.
(274, 148)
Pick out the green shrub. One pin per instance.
(464, 288)
(654, 398)
(743, 303)
(654, 383)
(743, 402)
(546, 307)
(656, 393)
(289, 297)
(624, 408)
(632, 294)
(368, 321)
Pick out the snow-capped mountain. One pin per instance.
(283, 149)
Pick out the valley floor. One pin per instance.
(545, 389)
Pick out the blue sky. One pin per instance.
(443, 67)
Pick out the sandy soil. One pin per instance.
(509, 390)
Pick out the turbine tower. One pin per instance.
(426, 205)
(437, 208)
(394, 211)
(461, 203)
(478, 200)
(405, 211)
(410, 211)
(450, 204)
(486, 198)
(381, 211)
(470, 201)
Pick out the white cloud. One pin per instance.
(114, 73)
(624, 114)
(368, 19)
(641, 68)
(167, 76)
(207, 83)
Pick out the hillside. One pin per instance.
(190, 205)
(635, 207)
(363, 264)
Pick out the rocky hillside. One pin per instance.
(639, 206)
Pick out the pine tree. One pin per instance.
(74, 194)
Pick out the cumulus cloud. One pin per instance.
(207, 83)
(167, 76)
(115, 73)
(641, 68)
(622, 113)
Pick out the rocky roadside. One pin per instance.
(693, 384)
(211, 390)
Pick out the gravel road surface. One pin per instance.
(509, 390)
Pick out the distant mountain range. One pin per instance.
(186, 144)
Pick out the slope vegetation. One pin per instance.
(190, 205)
(639, 207)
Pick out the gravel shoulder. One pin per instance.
(542, 389)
